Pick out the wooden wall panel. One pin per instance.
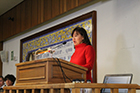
(62, 6)
(18, 19)
(28, 14)
(55, 8)
(37, 12)
(11, 27)
(71, 4)
(5, 22)
(34, 18)
(41, 13)
(22, 16)
(12, 22)
(0, 67)
(2, 26)
(80, 2)
(1, 29)
(1, 48)
(47, 9)
(6, 26)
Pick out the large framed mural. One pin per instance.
(53, 39)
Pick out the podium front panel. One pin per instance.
(46, 71)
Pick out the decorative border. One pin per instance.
(55, 37)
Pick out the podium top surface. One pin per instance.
(50, 60)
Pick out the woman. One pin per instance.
(10, 79)
(84, 54)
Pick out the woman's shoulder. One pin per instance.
(89, 47)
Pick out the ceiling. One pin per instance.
(6, 5)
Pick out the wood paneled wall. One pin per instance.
(30, 13)
(1, 29)
(1, 48)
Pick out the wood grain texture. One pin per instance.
(30, 13)
(64, 88)
(46, 71)
(47, 9)
(1, 28)
(18, 19)
(55, 8)
(34, 12)
(23, 18)
(1, 64)
(6, 26)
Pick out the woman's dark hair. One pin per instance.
(2, 78)
(10, 77)
(83, 32)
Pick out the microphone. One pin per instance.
(64, 42)
(49, 49)
(59, 45)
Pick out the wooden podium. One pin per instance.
(46, 71)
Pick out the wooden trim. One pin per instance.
(94, 43)
(42, 91)
(132, 90)
(97, 90)
(75, 85)
(41, 77)
(65, 87)
(62, 90)
(33, 91)
(76, 90)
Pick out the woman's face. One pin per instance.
(77, 38)
(9, 82)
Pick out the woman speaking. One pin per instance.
(84, 54)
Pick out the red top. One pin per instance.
(84, 55)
